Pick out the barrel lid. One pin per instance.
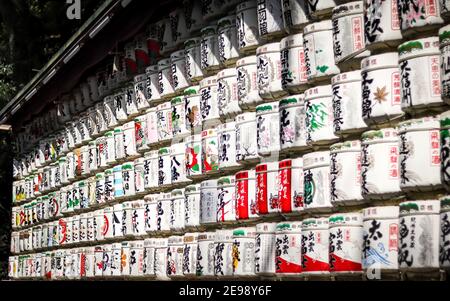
(128, 166)
(163, 63)
(177, 193)
(353, 145)
(194, 188)
(192, 42)
(177, 100)
(177, 55)
(136, 244)
(139, 78)
(388, 134)
(425, 123)
(193, 138)
(226, 22)
(266, 167)
(151, 154)
(271, 107)
(245, 174)
(161, 243)
(318, 91)
(248, 60)
(346, 77)
(117, 168)
(419, 207)
(346, 9)
(208, 81)
(244, 232)
(206, 236)
(316, 159)
(226, 181)
(109, 171)
(385, 60)
(292, 100)
(209, 133)
(245, 117)
(380, 212)
(224, 235)
(228, 72)
(295, 40)
(152, 197)
(445, 203)
(445, 120)
(190, 237)
(444, 35)
(164, 151)
(139, 161)
(227, 126)
(208, 184)
(178, 148)
(266, 227)
(192, 90)
(165, 196)
(118, 130)
(108, 210)
(285, 227)
(246, 5)
(175, 240)
(345, 219)
(271, 47)
(318, 26)
(420, 47)
(149, 242)
(320, 223)
(164, 106)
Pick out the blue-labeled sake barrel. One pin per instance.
(118, 189)
(319, 56)
(380, 249)
(347, 103)
(380, 177)
(346, 243)
(419, 160)
(345, 173)
(444, 245)
(295, 15)
(418, 243)
(247, 27)
(265, 249)
(316, 173)
(419, 62)
(223, 255)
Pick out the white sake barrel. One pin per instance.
(382, 23)
(193, 152)
(227, 97)
(179, 128)
(268, 128)
(444, 245)
(227, 39)
(247, 27)
(210, 152)
(119, 221)
(288, 249)
(444, 39)
(192, 56)
(346, 243)
(319, 56)
(419, 63)
(269, 71)
(125, 254)
(190, 254)
(164, 169)
(244, 252)
(178, 164)
(150, 212)
(149, 257)
(347, 103)
(226, 199)
(116, 259)
(208, 103)
(110, 148)
(292, 123)
(177, 210)
(208, 202)
(315, 246)
(165, 79)
(129, 188)
(163, 212)
(247, 85)
(419, 154)
(140, 92)
(119, 144)
(320, 8)
(316, 172)
(246, 138)
(139, 176)
(293, 66)
(246, 206)
(380, 177)
(109, 187)
(152, 84)
(319, 115)
(138, 218)
(192, 205)
(380, 251)
(418, 244)
(381, 88)
(226, 133)
(270, 20)
(193, 117)
(265, 249)
(295, 15)
(164, 122)
(209, 49)
(142, 133)
(175, 257)
(419, 16)
(205, 254)
(223, 260)
(151, 166)
(178, 65)
(137, 258)
(129, 140)
(179, 30)
(345, 172)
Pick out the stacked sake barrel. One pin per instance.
(319, 127)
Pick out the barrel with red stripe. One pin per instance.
(315, 238)
(246, 195)
(267, 188)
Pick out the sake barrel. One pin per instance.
(179, 120)
(247, 26)
(164, 122)
(208, 202)
(161, 246)
(208, 103)
(139, 176)
(193, 116)
(226, 201)
(419, 163)
(380, 178)
(118, 221)
(194, 72)
(151, 165)
(321, 9)
(293, 66)
(177, 210)
(288, 249)
(152, 84)
(444, 40)
(227, 40)
(267, 183)
(129, 140)
(246, 138)
(190, 254)
(164, 169)
(205, 255)
(210, 152)
(269, 71)
(163, 212)
(419, 16)
(247, 85)
(227, 97)
(315, 247)
(192, 205)
(243, 252)
(140, 92)
(137, 259)
(165, 79)
(295, 15)
(246, 205)
(175, 257)
(119, 144)
(265, 249)
(346, 242)
(150, 212)
(316, 173)
(290, 185)
(226, 133)
(193, 152)
(292, 123)
(268, 128)
(345, 173)
(444, 246)
(178, 65)
(209, 50)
